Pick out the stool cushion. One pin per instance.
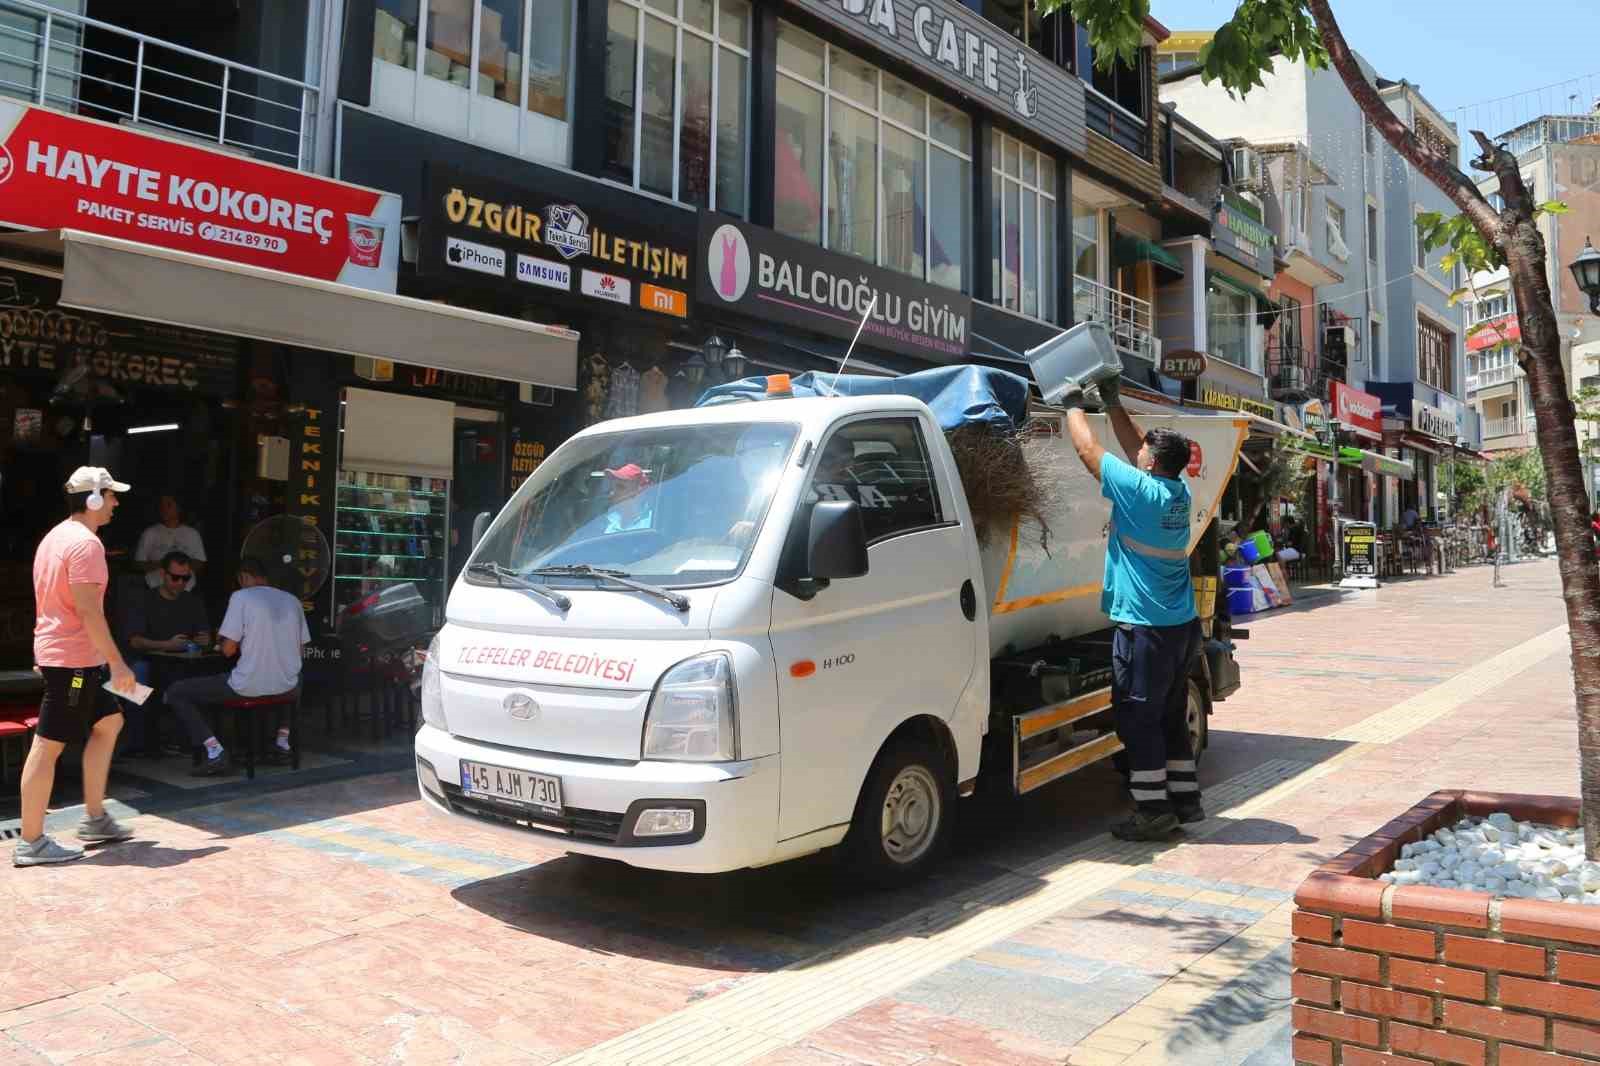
(13, 729)
(246, 702)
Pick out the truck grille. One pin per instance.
(599, 827)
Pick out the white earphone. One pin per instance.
(95, 501)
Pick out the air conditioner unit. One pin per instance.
(1247, 170)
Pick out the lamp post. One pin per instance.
(1586, 272)
(714, 349)
(735, 362)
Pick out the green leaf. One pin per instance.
(1553, 207)
(1460, 294)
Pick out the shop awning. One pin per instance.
(1384, 466)
(119, 277)
(1130, 248)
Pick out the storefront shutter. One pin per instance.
(389, 434)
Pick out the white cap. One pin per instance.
(94, 479)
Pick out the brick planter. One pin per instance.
(1407, 975)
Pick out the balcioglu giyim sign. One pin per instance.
(778, 279)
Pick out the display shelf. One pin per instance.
(397, 492)
(390, 510)
(375, 533)
(359, 577)
(399, 511)
(382, 555)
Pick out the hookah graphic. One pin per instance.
(1026, 98)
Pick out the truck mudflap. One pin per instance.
(1045, 747)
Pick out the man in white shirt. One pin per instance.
(266, 628)
(169, 535)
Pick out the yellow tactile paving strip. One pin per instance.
(775, 1010)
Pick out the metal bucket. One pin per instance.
(1082, 355)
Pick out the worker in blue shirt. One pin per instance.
(1149, 597)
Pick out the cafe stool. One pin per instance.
(244, 705)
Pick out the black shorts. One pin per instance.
(74, 700)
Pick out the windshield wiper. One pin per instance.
(506, 577)
(679, 602)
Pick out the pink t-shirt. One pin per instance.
(70, 554)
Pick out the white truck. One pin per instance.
(721, 638)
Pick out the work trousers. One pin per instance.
(1150, 696)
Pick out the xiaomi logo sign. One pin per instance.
(664, 301)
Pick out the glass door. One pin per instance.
(390, 528)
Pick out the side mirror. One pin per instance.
(480, 526)
(837, 546)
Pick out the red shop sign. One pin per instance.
(59, 171)
(1360, 410)
(1507, 329)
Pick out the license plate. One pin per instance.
(511, 786)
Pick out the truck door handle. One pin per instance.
(969, 600)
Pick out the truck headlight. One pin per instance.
(693, 712)
(433, 690)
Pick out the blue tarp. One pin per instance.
(958, 395)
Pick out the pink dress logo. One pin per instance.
(728, 262)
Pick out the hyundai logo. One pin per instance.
(521, 705)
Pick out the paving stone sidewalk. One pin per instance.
(338, 923)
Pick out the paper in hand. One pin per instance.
(139, 694)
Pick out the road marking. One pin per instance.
(1408, 715)
(777, 1009)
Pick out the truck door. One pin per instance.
(865, 654)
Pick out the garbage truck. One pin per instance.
(733, 635)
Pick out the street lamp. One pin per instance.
(1586, 271)
(715, 348)
(735, 362)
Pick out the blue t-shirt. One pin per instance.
(1147, 556)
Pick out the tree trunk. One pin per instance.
(1515, 234)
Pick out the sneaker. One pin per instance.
(102, 830)
(43, 852)
(213, 767)
(1189, 813)
(1142, 826)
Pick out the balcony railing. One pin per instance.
(1507, 427)
(1495, 375)
(1116, 123)
(99, 70)
(1292, 370)
(1127, 317)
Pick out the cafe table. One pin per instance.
(167, 668)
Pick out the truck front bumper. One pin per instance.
(735, 804)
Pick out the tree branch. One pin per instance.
(1461, 190)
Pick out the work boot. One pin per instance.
(1143, 826)
(1190, 812)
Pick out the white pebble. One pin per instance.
(1500, 855)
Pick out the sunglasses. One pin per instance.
(177, 577)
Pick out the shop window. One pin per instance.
(869, 165)
(1050, 35)
(677, 108)
(1230, 318)
(1372, 234)
(1086, 241)
(507, 87)
(883, 466)
(1023, 255)
(1436, 349)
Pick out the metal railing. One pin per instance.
(1292, 369)
(102, 71)
(1507, 427)
(1495, 375)
(1116, 123)
(1128, 318)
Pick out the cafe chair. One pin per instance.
(247, 721)
(17, 722)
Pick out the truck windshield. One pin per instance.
(672, 506)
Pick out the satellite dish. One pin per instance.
(295, 552)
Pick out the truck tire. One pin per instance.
(1197, 716)
(902, 818)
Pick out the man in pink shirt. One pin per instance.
(72, 649)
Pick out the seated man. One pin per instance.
(171, 617)
(266, 628)
(629, 509)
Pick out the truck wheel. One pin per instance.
(1197, 720)
(902, 818)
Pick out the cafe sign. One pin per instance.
(1183, 364)
(1237, 234)
(1217, 398)
(557, 236)
(1432, 422)
(947, 41)
(765, 275)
